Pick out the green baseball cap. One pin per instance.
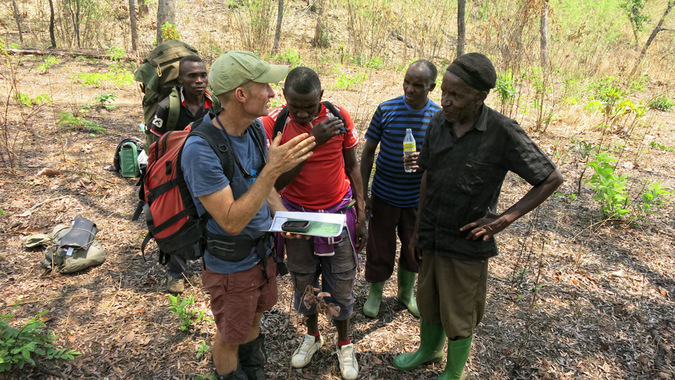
(235, 68)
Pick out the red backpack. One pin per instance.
(165, 199)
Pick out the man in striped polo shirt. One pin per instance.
(392, 205)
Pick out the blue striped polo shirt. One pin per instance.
(391, 183)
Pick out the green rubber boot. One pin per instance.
(406, 282)
(372, 305)
(458, 353)
(431, 347)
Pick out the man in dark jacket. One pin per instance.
(468, 149)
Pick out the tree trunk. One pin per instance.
(671, 4)
(76, 22)
(543, 33)
(461, 27)
(134, 27)
(277, 32)
(52, 37)
(166, 13)
(17, 17)
(318, 29)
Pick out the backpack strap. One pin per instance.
(333, 110)
(218, 143)
(174, 109)
(280, 123)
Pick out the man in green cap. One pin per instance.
(239, 270)
(467, 151)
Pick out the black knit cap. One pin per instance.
(476, 70)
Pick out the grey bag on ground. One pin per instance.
(69, 249)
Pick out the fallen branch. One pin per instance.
(65, 53)
(28, 212)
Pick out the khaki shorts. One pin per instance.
(236, 297)
(337, 274)
(452, 292)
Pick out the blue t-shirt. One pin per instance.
(391, 183)
(204, 175)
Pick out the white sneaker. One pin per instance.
(303, 354)
(349, 367)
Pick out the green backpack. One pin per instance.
(158, 75)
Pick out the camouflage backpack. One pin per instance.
(158, 75)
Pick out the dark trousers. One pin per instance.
(176, 266)
(384, 224)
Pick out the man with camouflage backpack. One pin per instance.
(188, 102)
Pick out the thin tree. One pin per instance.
(74, 8)
(134, 27)
(166, 14)
(277, 32)
(52, 37)
(637, 19)
(657, 29)
(318, 29)
(461, 27)
(18, 19)
(543, 35)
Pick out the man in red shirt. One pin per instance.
(329, 181)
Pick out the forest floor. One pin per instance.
(571, 296)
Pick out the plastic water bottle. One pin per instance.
(409, 147)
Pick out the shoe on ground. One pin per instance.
(174, 285)
(303, 354)
(349, 367)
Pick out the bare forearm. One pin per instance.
(367, 159)
(274, 202)
(288, 177)
(233, 215)
(354, 175)
(423, 190)
(536, 196)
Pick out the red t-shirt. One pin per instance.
(323, 181)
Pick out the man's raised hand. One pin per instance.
(284, 157)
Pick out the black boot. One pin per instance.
(252, 358)
(235, 375)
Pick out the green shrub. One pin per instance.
(169, 32)
(202, 349)
(375, 63)
(610, 189)
(614, 197)
(21, 346)
(25, 100)
(662, 103)
(182, 308)
(291, 57)
(79, 122)
(653, 198)
(49, 61)
(660, 146)
(345, 81)
(118, 76)
(115, 53)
